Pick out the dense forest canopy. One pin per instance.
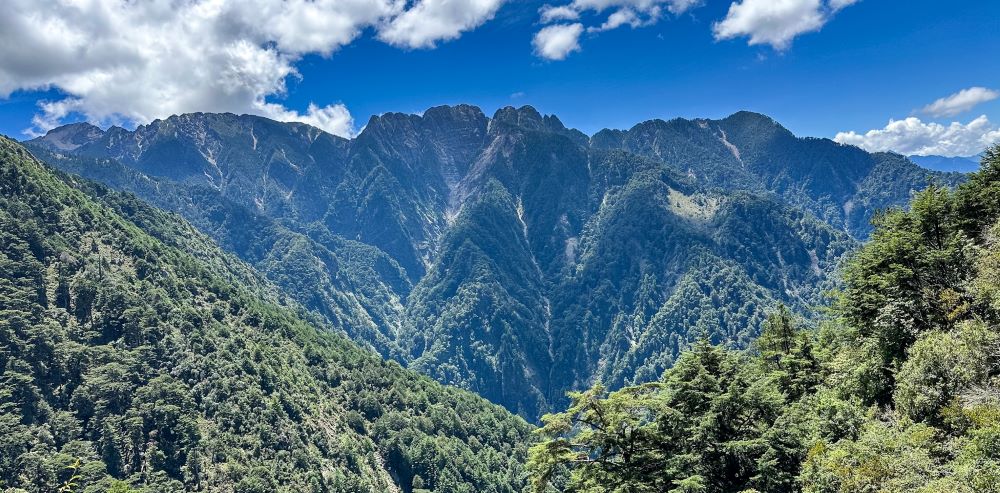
(136, 355)
(898, 391)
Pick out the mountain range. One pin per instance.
(511, 255)
(961, 164)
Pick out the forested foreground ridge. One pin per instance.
(898, 391)
(511, 255)
(137, 356)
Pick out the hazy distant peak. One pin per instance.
(961, 164)
(70, 137)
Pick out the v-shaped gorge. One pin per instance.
(510, 255)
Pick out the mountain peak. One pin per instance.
(199, 119)
(746, 118)
(466, 110)
(70, 137)
(525, 116)
(528, 117)
(461, 116)
(389, 118)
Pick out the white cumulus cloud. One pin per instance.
(776, 22)
(632, 13)
(960, 102)
(135, 61)
(556, 42)
(680, 6)
(839, 4)
(333, 118)
(430, 21)
(619, 18)
(549, 13)
(673, 6)
(911, 136)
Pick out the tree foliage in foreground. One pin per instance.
(898, 392)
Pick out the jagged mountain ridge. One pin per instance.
(844, 185)
(538, 258)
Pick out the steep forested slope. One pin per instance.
(134, 353)
(632, 291)
(561, 259)
(898, 392)
(359, 289)
(510, 254)
(478, 316)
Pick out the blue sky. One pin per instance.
(869, 61)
